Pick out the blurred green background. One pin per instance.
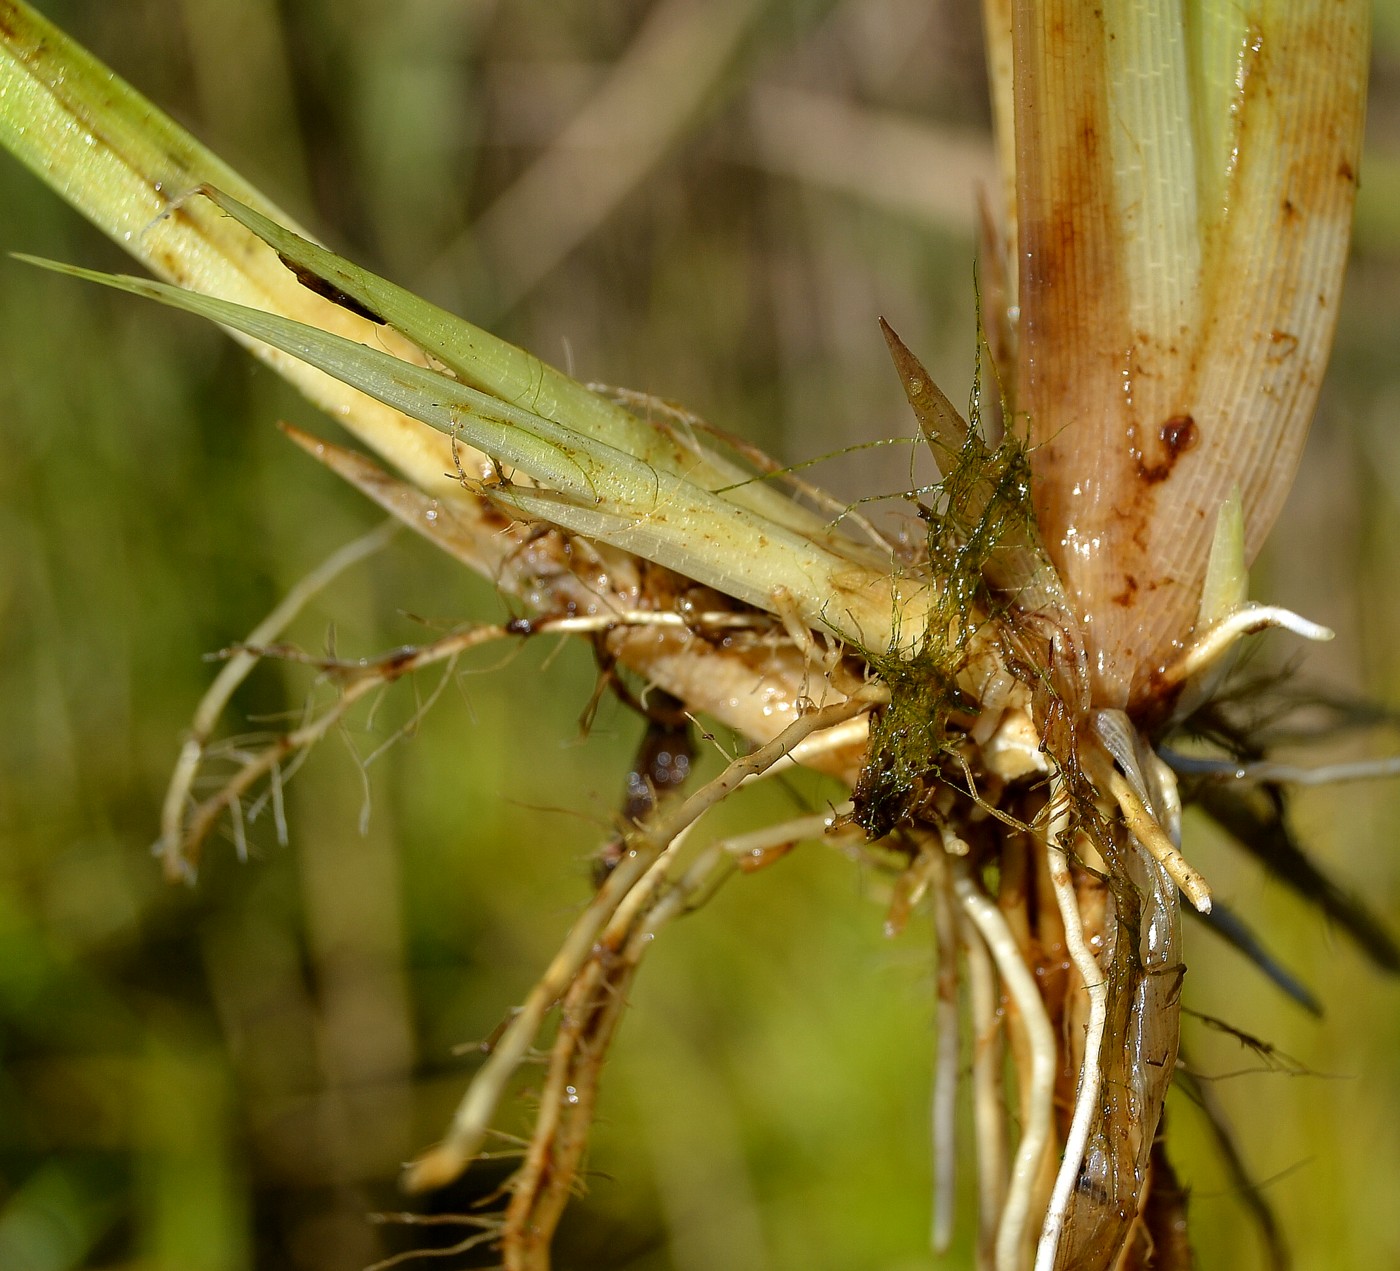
(229, 1076)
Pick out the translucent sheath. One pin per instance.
(1185, 178)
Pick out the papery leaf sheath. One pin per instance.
(1186, 175)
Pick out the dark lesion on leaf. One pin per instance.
(329, 291)
(1177, 435)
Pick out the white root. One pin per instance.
(1140, 780)
(1036, 1115)
(1090, 1072)
(1215, 641)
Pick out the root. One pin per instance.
(489, 1229)
(621, 904)
(364, 680)
(1154, 838)
(1090, 1073)
(1217, 640)
(990, 935)
(185, 828)
(590, 1013)
(174, 847)
(1036, 1114)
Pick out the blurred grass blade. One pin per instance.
(1256, 822)
(1239, 935)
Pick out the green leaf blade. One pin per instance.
(591, 487)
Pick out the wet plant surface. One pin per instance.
(233, 1076)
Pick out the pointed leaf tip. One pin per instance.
(941, 423)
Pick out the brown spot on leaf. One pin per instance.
(328, 291)
(1178, 434)
(1282, 345)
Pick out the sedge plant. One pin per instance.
(998, 687)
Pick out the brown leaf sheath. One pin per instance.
(1151, 392)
